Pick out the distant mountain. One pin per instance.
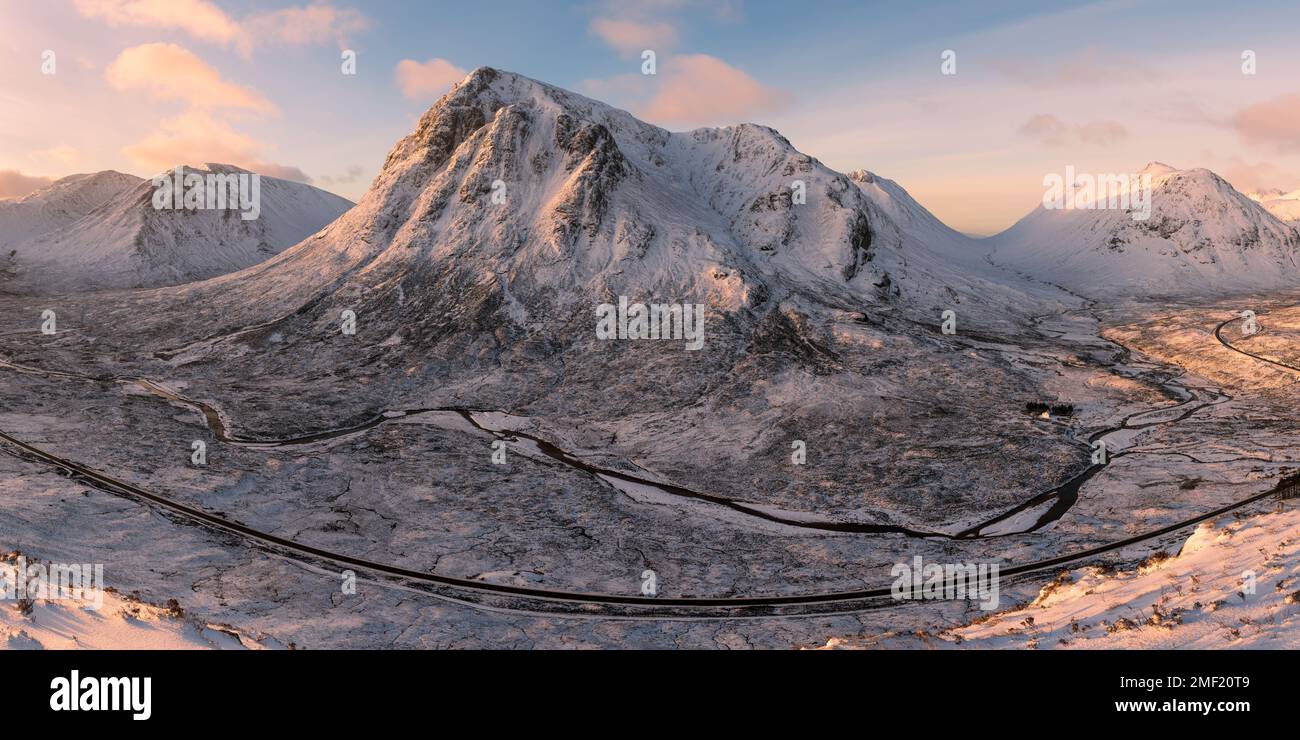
(103, 231)
(1201, 236)
(1285, 206)
(58, 205)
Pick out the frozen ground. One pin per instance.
(421, 492)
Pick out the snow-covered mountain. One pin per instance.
(1285, 206)
(104, 231)
(930, 246)
(1202, 235)
(520, 198)
(58, 205)
(473, 269)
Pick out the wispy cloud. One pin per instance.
(1049, 130)
(318, 22)
(1249, 176)
(630, 37)
(196, 137)
(1093, 66)
(1274, 122)
(701, 89)
(199, 18)
(426, 80)
(60, 156)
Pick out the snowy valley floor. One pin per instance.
(1195, 426)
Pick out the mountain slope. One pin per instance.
(925, 239)
(60, 204)
(1202, 236)
(123, 241)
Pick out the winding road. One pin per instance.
(1218, 334)
(528, 599)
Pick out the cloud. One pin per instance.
(425, 81)
(701, 89)
(1051, 131)
(171, 72)
(1275, 122)
(1101, 133)
(196, 137)
(318, 22)
(351, 175)
(14, 184)
(1045, 128)
(1257, 176)
(199, 18)
(631, 37)
(313, 24)
(61, 156)
(1089, 67)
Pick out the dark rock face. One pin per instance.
(859, 245)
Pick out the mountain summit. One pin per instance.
(518, 199)
(1201, 236)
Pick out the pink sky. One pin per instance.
(142, 85)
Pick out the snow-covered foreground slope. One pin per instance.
(123, 241)
(1202, 236)
(118, 622)
(1234, 584)
(62, 203)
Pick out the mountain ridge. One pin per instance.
(124, 241)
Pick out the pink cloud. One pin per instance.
(1275, 122)
(631, 37)
(14, 184)
(425, 81)
(318, 22)
(1089, 67)
(171, 72)
(1045, 128)
(1101, 133)
(1051, 131)
(196, 138)
(61, 155)
(199, 18)
(1257, 176)
(311, 24)
(700, 89)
